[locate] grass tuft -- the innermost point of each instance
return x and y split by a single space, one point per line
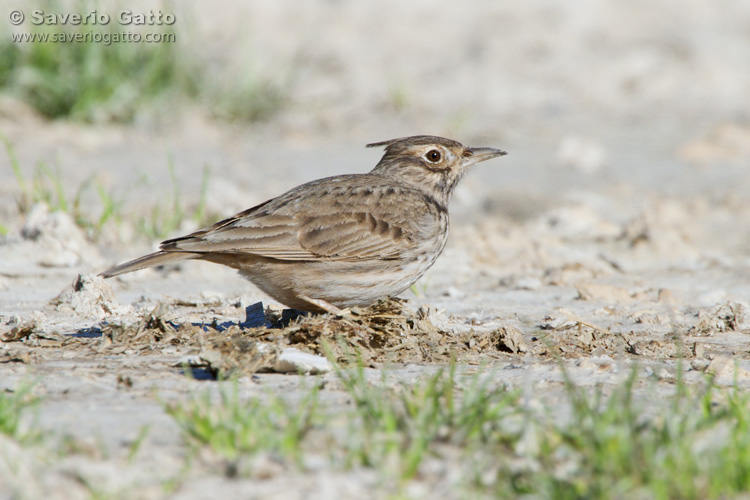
46 186
616 442
250 102
615 445
89 81
100 82
165 218
13 405
233 427
401 426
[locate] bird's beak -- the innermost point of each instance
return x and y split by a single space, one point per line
476 155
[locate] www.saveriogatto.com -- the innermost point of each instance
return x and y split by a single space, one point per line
66 21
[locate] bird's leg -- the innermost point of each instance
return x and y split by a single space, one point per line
326 306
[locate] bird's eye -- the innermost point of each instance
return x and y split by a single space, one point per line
434 155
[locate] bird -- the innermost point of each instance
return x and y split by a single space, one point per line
343 241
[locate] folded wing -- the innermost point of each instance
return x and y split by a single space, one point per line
348 221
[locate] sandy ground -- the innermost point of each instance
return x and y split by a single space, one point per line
619 221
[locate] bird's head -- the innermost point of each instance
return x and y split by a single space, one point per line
432 164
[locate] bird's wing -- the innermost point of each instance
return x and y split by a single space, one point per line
344 220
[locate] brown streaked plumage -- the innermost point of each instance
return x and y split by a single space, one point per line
341 241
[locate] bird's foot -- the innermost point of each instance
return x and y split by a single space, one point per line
328 307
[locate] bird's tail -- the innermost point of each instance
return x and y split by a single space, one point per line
150 260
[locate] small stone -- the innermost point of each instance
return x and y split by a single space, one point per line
666 297
726 371
192 360
293 360
602 292
510 339
89 295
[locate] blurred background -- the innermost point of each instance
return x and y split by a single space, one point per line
593 100
618 222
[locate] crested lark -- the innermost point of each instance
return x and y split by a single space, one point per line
342 241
